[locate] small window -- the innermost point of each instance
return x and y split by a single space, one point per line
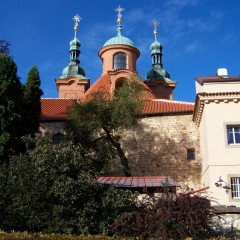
57 138
235 187
233 135
190 154
119 61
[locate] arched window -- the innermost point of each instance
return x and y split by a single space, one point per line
120 61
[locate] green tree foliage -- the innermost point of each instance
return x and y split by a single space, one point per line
103 117
54 189
10 108
4 47
32 105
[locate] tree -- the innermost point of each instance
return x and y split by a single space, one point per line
32 104
4 47
10 108
54 189
104 116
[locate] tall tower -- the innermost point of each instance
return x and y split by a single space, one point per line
158 79
119 56
119 52
73 82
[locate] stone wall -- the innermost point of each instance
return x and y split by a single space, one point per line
227 221
48 129
158 146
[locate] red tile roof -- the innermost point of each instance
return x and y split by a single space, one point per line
103 84
138 182
163 106
55 109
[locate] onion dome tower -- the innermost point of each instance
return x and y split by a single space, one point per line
158 79
119 52
73 82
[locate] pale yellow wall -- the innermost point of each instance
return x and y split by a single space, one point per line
219 195
221 107
216 116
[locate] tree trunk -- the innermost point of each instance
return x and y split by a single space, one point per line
123 158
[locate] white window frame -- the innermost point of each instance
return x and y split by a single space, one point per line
226 134
233 132
235 187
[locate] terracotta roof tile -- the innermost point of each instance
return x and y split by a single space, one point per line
163 106
55 109
103 84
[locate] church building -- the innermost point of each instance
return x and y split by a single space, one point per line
194 145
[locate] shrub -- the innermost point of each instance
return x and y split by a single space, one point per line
171 216
54 189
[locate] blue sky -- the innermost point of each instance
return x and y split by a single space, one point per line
198 36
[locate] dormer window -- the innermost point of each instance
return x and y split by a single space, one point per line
120 61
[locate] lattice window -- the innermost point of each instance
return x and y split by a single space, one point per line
235 187
119 61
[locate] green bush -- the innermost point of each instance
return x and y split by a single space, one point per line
54 189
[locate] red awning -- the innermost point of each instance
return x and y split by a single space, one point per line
138 182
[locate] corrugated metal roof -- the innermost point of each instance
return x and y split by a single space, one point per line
138 182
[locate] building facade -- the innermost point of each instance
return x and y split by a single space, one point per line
196 144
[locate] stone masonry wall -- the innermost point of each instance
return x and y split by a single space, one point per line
158 146
48 129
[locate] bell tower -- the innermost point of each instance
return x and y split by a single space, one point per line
158 79
73 82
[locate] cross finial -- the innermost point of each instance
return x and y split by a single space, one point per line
119 9
76 19
155 23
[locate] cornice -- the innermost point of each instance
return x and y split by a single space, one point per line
212 98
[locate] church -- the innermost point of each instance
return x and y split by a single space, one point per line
196 146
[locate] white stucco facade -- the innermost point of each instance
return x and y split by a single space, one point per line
218 108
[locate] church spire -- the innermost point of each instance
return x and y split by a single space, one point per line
156 49
75 44
74 69
119 9
157 70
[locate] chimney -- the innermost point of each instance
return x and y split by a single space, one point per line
222 72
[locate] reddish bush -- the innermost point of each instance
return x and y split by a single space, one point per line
169 217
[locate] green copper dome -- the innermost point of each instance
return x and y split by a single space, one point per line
119 40
157 73
73 70
75 44
156 47
157 70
